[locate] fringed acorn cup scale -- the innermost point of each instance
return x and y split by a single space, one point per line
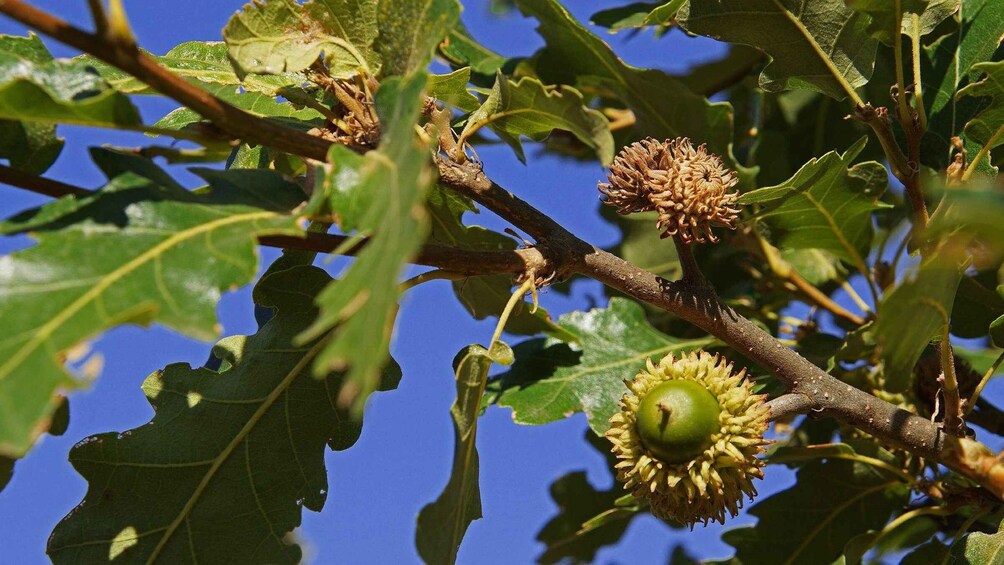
688 437
688 187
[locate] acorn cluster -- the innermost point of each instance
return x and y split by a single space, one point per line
688 437
689 187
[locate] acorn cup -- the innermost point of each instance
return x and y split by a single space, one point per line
688 437
689 187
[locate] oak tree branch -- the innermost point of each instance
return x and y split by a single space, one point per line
566 254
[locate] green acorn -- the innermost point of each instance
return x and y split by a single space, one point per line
688 437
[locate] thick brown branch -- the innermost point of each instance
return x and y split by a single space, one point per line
452 259
40 185
470 180
700 306
234 121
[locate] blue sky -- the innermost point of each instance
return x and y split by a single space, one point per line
403 458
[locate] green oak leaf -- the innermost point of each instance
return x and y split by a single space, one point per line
821 45
531 109
913 314
588 519
968 213
997 331
6 471
235 455
952 58
856 548
203 62
553 379
976 306
28 47
637 15
971 215
442 524
256 103
482 296
461 50
61 91
977 547
815 265
987 127
714 76
663 106
389 186
800 125
827 205
451 88
28 146
812 522
136 251
410 30
280 36
931 552
907 535
928 14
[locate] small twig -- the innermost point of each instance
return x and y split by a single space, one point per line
913 126
878 120
897 50
855 297
906 169
820 298
40 185
983 382
460 262
227 117
788 405
99 16
784 270
434 275
918 85
688 263
516 297
953 421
